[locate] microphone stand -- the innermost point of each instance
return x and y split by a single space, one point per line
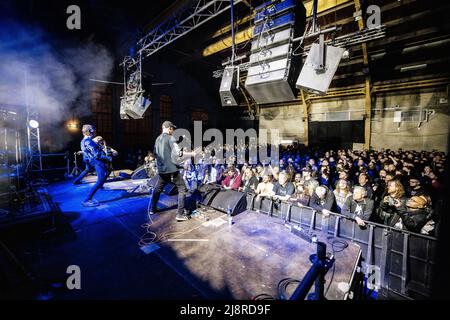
316 274
75 170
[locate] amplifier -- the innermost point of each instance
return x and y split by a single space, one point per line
270 38
269 9
272 24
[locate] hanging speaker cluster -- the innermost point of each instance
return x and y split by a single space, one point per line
136 98
319 67
228 87
273 68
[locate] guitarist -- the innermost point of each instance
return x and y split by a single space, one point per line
96 158
108 151
167 153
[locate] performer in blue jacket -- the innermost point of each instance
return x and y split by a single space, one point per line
94 155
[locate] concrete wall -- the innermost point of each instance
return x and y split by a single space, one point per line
287 119
320 108
432 135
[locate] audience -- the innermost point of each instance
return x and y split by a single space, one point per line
265 188
398 188
284 188
249 181
358 206
322 200
341 193
393 202
232 180
416 214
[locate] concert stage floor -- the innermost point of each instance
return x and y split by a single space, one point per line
195 259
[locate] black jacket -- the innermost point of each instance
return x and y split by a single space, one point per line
327 203
414 220
362 209
390 214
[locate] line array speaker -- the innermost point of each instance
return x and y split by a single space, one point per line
274 69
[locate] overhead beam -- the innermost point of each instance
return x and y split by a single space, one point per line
247 34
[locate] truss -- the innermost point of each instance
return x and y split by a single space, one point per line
180 24
34 144
344 41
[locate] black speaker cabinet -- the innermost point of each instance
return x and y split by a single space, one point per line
169 189
228 87
208 192
236 200
139 173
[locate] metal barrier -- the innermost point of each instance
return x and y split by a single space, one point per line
395 260
55 165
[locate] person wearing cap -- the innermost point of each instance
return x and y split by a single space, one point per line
94 155
167 152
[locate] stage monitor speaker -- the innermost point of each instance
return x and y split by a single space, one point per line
208 192
124 175
236 200
169 189
319 80
140 173
228 87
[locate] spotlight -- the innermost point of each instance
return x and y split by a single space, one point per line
346 54
33 124
72 125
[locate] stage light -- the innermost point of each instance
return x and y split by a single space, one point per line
72 125
33 124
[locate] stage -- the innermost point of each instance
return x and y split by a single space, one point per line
203 258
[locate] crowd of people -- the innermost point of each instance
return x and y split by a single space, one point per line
401 189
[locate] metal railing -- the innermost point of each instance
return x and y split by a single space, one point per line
395 260
50 169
